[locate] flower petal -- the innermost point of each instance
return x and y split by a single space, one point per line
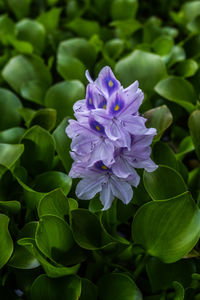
121 189
106 196
107 82
87 188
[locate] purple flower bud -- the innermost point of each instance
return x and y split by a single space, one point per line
109 140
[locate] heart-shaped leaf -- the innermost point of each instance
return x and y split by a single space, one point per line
167 229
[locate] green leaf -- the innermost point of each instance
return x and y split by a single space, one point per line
62 143
137 66
33 32
124 9
164 183
167 229
55 203
63 95
178 90
164 155
6 243
50 19
163 45
63 288
84 28
46 118
114 48
23 259
52 180
9 154
88 290
38 150
159 118
118 286
194 126
19 8
179 291
7 29
161 276
28 76
53 237
73 56
11 206
186 146
88 231
187 68
190 10
9 106
12 135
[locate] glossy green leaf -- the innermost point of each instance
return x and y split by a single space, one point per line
7 29
38 150
63 288
19 8
62 144
187 68
9 154
52 180
164 155
11 135
55 203
53 237
45 118
162 275
23 259
87 230
194 126
178 90
164 183
114 48
11 206
179 291
118 286
186 146
84 28
167 229
163 45
32 32
159 118
9 108
52 269
137 66
88 290
194 25
50 19
191 10
124 9
6 243
63 95
28 76
73 56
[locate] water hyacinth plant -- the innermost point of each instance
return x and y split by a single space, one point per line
99 175
109 140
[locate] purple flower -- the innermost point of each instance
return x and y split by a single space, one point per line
109 140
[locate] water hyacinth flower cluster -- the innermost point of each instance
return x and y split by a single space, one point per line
109 140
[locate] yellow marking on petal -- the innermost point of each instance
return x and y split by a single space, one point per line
98 128
116 107
90 100
110 83
104 167
104 106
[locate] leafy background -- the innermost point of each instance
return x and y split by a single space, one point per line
52 245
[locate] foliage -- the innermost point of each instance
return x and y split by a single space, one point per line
53 245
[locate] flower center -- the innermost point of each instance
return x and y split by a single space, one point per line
110 83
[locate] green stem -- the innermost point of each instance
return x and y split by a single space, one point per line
140 266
